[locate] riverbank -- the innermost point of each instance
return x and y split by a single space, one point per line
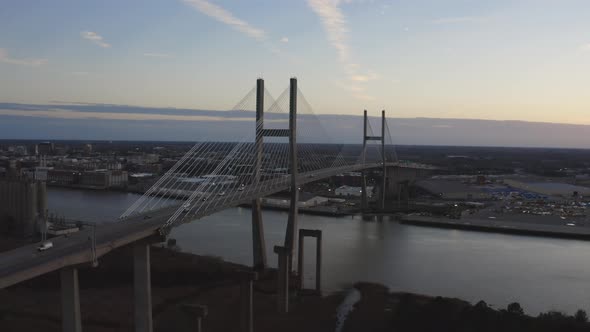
403 257
178 279
106 296
572 231
330 211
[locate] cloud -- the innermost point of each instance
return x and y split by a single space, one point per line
4 57
459 19
284 40
335 26
337 31
363 78
585 47
95 38
158 55
40 111
57 113
224 16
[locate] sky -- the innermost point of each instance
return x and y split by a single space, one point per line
525 60
88 122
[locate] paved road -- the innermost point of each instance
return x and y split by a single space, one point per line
26 262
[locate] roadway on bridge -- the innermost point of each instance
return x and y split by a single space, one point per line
27 262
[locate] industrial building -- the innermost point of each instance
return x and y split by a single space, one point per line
98 179
349 179
148 158
23 206
306 200
452 190
349 191
45 148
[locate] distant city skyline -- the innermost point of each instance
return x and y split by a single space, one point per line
498 60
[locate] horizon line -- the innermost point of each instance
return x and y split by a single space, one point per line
66 103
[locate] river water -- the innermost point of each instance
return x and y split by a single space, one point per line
540 273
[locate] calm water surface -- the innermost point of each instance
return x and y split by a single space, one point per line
540 273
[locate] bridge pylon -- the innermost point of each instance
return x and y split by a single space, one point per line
258 243
291 234
285 252
366 138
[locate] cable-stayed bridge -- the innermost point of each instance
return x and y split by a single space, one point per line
288 147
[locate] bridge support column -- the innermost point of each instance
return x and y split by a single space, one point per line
363 159
383 160
283 279
199 311
291 234
317 234
70 300
247 298
364 200
258 244
142 287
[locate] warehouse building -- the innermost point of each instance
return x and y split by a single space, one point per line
23 204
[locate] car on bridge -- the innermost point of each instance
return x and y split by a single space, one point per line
45 246
186 207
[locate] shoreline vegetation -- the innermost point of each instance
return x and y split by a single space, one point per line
178 278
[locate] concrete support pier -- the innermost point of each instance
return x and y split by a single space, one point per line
383 160
247 300
318 263
317 234
363 160
142 287
364 199
70 300
283 279
291 233
199 312
258 244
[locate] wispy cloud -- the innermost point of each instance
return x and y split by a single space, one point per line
335 25
226 17
458 19
61 113
4 57
284 40
585 47
158 55
363 77
337 31
95 38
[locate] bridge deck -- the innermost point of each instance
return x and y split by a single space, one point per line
26 262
